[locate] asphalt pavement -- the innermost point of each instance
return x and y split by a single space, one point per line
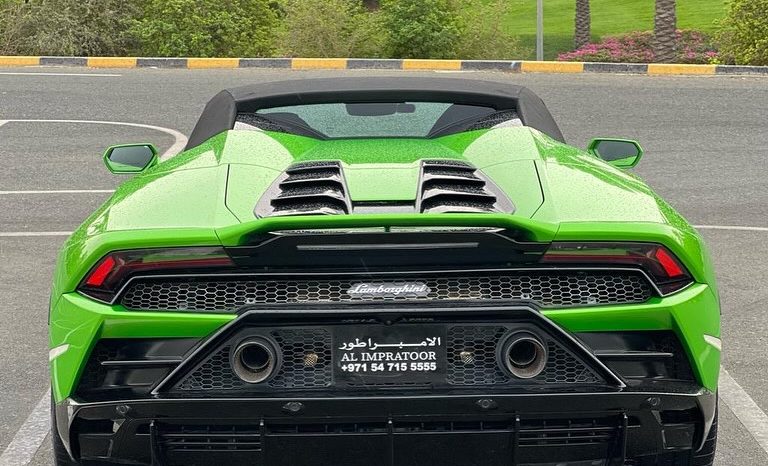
706 150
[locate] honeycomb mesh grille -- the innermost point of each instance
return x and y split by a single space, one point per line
547 289
306 355
94 373
472 360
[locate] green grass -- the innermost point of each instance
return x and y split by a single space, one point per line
608 17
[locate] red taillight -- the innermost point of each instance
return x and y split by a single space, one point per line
101 272
669 263
105 279
667 272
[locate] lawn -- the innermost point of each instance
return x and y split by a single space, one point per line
608 17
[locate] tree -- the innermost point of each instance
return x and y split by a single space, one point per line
665 31
583 32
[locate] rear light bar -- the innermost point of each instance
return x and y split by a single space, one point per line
107 277
110 273
667 272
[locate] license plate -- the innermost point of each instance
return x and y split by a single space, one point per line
390 355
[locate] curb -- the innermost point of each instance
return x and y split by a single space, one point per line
511 66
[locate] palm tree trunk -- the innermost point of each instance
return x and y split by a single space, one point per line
583 32
665 31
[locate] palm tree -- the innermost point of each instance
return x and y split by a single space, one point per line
665 31
583 33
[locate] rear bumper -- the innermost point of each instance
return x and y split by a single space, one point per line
518 429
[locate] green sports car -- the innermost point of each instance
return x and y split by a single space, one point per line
383 271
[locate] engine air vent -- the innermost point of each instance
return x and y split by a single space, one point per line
308 188
453 186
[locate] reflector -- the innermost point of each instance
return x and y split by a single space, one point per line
100 273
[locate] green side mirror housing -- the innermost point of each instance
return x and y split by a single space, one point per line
621 153
130 158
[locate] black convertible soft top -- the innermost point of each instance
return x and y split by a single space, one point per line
220 113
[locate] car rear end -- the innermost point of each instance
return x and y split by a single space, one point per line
446 339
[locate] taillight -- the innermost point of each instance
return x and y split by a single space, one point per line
112 271
657 261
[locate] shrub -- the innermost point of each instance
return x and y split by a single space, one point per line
743 37
207 28
11 32
331 28
482 34
421 28
67 27
637 47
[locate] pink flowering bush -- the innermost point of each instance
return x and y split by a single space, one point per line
637 47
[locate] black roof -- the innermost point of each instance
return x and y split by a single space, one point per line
220 113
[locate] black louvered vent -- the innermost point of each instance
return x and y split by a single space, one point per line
456 186
309 188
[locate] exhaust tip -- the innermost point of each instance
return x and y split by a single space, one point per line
254 360
524 355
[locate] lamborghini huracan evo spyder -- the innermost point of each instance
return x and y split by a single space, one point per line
383 271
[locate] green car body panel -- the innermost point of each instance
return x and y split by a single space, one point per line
205 196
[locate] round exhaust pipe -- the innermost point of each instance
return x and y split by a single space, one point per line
524 355
254 360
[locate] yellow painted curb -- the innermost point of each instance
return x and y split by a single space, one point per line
551 67
112 62
19 61
414 64
319 63
669 68
209 63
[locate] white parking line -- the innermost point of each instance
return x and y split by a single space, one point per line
22 234
82 191
178 145
744 407
59 191
94 75
730 227
30 436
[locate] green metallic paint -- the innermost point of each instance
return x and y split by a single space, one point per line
80 322
205 197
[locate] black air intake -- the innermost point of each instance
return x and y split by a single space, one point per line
458 187
309 188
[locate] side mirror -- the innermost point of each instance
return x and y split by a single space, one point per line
130 158
621 153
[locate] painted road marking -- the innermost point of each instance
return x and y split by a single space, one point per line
30 436
730 227
23 234
59 191
94 75
179 139
744 407
67 233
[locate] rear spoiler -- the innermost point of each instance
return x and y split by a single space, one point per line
245 233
